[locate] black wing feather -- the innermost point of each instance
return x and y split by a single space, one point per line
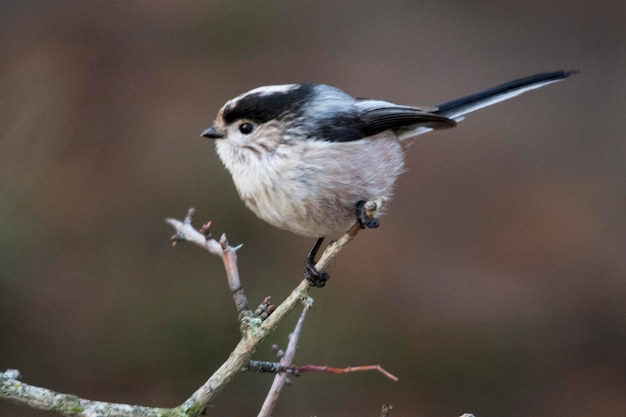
384 118
345 127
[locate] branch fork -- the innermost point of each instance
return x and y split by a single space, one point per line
255 326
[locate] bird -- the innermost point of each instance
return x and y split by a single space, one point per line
306 157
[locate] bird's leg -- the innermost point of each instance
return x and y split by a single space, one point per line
315 277
361 217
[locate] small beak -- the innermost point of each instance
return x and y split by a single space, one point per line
212 133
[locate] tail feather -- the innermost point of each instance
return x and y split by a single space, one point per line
456 109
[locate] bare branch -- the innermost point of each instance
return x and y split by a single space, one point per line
254 331
317 368
229 256
203 238
276 367
285 362
240 357
44 399
186 232
259 330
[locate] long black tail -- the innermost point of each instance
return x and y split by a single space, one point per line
456 109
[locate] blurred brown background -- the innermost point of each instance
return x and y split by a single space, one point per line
496 285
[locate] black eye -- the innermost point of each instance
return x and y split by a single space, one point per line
246 128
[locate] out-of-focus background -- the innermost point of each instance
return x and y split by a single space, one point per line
495 285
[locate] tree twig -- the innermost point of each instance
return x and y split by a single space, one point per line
15 390
317 368
240 357
276 367
285 362
203 238
254 331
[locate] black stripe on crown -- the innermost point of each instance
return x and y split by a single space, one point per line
261 107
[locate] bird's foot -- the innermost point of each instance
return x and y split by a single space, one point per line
363 218
315 277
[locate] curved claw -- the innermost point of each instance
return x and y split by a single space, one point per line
315 277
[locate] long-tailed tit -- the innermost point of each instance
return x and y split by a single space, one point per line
305 157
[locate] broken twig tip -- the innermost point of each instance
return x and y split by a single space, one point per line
386 410
189 217
177 237
223 241
205 229
374 206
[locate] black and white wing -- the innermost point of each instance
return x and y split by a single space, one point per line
378 116
412 121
